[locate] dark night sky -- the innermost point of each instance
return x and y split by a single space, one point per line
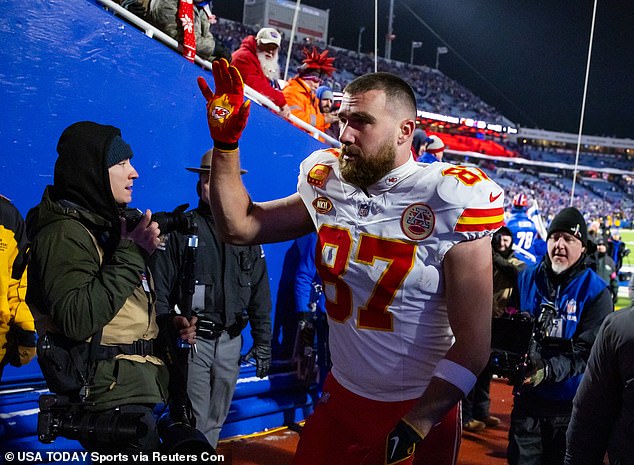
525 57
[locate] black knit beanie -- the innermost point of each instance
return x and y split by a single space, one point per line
118 151
570 220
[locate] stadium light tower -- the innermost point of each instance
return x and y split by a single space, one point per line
390 35
361 29
415 44
440 51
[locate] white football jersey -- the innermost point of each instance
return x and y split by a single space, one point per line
380 258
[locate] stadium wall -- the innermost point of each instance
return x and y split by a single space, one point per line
62 62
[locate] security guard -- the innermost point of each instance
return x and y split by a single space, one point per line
232 288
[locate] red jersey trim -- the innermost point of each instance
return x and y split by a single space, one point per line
480 219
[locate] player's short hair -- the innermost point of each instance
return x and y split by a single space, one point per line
394 87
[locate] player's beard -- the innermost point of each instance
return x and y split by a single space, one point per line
363 170
270 66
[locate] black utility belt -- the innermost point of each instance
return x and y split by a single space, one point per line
209 330
142 347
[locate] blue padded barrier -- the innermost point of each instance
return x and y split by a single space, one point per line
63 62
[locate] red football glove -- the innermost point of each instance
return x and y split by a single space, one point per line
227 111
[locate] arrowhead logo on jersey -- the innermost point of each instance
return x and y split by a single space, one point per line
318 174
322 205
418 221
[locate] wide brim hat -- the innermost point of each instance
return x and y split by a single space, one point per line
205 164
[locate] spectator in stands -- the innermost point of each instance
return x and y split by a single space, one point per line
325 96
529 247
433 150
137 7
326 106
475 407
602 414
164 14
300 90
232 289
581 300
602 264
418 141
257 60
17 329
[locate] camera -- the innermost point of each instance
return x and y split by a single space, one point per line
59 416
181 437
519 339
168 221
511 340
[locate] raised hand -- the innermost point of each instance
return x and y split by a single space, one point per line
227 111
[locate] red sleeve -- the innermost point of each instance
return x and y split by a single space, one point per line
254 77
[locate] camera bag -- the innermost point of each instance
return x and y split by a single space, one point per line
67 365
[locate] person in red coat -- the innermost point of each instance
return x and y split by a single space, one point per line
257 61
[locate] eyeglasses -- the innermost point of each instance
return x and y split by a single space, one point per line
312 79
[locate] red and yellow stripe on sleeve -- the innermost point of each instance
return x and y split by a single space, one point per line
480 219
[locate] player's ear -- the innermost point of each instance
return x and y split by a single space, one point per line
406 130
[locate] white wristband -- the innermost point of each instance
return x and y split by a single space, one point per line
455 374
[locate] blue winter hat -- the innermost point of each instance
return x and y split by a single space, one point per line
324 92
118 151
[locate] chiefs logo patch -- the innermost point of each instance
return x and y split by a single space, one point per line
418 221
219 113
322 205
318 174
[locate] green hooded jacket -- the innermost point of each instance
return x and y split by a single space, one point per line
78 289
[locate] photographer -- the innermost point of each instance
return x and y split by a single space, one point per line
232 287
543 405
603 265
89 281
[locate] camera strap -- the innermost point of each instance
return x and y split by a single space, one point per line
89 365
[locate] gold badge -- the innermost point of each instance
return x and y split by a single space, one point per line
322 205
318 174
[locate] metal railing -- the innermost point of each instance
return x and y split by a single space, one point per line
155 33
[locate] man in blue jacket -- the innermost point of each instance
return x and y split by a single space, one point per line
581 300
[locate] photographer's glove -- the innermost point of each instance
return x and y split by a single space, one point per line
401 443
20 346
262 355
539 373
227 111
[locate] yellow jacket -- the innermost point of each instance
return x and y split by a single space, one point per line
13 308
